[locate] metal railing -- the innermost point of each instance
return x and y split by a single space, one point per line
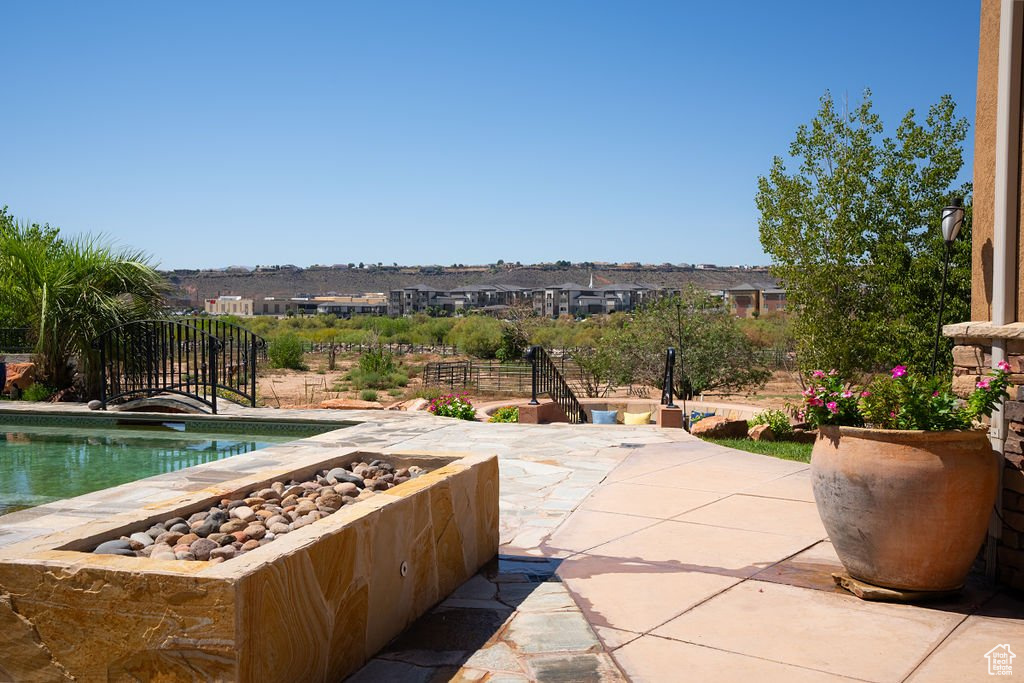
15 340
238 357
546 379
151 357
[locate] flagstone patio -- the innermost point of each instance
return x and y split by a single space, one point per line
633 553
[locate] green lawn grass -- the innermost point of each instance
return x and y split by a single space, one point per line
787 450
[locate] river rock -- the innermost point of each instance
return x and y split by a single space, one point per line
202 548
250 545
169 537
340 475
346 488
279 528
163 553
233 526
269 494
227 552
256 531
116 547
244 513
144 539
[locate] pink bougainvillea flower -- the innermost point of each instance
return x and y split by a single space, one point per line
847 394
899 371
935 394
983 383
816 402
832 407
809 391
817 374
833 373
865 394
1003 365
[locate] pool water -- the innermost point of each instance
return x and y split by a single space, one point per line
40 464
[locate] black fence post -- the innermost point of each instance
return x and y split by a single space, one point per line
531 356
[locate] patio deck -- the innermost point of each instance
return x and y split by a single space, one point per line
632 553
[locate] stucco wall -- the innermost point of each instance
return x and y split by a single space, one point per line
984 171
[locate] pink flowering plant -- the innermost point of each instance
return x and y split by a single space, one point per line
453 405
829 401
905 400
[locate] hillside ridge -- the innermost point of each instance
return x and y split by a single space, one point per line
197 285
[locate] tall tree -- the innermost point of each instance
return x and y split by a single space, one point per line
854 237
712 352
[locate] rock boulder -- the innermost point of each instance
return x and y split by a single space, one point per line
718 427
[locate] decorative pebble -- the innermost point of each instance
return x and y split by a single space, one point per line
234 527
202 548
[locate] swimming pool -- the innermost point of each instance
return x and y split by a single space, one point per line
40 463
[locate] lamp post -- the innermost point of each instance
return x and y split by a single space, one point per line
952 220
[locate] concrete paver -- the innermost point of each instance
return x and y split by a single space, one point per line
839 634
699 547
650 659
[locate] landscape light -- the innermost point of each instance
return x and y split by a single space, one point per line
952 220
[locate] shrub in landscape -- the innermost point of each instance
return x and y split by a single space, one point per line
776 420
36 392
285 351
428 393
453 405
505 414
377 369
368 395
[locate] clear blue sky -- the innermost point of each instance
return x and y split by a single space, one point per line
221 133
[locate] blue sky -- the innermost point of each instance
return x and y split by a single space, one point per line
211 134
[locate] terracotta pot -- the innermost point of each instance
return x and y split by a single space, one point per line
905 509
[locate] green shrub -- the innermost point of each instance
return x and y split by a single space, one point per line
285 351
377 360
477 336
505 414
776 420
453 405
36 392
368 395
371 379
395 393
428 393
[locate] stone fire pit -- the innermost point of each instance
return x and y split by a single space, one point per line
312 605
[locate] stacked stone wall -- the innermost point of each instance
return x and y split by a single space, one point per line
972 360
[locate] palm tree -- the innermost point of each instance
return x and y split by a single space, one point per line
68 292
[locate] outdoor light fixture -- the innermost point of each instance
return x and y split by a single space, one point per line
952 220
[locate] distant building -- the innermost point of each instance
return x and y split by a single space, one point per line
348 306
424 299
228 305
751 300
573 299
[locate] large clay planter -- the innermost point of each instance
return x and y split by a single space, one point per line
905 509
